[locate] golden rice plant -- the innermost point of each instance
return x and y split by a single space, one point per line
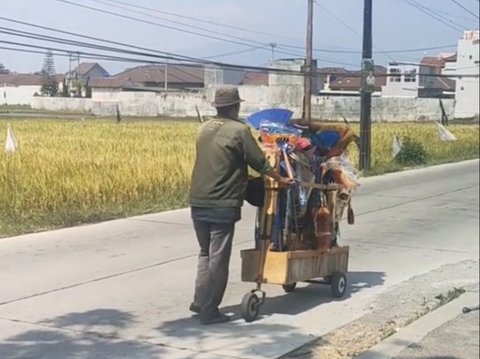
70 172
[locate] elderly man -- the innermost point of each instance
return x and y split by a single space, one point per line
225 148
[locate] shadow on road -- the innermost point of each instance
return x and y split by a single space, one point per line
91 334
313 295
235 339
259 333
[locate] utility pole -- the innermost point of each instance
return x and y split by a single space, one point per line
70 75
368 82
307 101
273 46
165 73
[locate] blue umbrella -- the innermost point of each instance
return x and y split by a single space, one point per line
275 115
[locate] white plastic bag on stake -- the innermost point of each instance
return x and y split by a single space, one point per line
396 146
10 142
444 134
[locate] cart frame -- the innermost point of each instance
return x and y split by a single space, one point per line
287 268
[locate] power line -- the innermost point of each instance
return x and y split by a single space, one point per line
90 55
383 51
232 67
439 14
163 54
200 20
227 54
54 39
351 29
149 22
64 32
94 56
257 43
265 47
464 8
211 23
456 16
428 12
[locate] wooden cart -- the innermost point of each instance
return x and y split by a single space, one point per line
289 268
265 264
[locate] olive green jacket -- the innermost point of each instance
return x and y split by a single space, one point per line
224 150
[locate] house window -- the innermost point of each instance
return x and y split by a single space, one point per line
411 75
395 71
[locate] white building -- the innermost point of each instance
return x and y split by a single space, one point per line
467 92
412 80
450 67
404 83
18 89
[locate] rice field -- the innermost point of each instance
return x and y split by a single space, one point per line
65 173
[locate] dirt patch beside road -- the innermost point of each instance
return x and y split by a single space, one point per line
393 310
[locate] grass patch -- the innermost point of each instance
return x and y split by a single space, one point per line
80 171
449 296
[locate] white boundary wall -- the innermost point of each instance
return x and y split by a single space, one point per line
150 104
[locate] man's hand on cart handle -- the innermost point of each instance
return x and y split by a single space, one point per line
283 181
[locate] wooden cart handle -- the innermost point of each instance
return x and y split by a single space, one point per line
326 187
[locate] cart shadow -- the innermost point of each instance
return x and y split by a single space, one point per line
267 336
313 295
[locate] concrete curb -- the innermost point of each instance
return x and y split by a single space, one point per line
415 332
412 171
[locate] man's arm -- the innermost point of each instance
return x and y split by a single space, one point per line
256 159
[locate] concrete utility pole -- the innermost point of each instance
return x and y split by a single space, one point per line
368 82
273 46
307 102
165 74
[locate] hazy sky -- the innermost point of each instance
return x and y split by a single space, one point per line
397 25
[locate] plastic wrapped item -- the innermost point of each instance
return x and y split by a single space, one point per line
271 131
342 170
304 175
343 199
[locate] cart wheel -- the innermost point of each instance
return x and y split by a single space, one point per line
289 287
250 307
338 282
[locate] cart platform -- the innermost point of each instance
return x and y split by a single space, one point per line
294 266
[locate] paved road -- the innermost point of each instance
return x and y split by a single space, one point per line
456 339
121 289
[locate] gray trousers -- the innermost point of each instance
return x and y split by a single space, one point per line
215 241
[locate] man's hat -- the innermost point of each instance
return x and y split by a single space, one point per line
226 96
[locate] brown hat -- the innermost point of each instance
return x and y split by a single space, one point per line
226 96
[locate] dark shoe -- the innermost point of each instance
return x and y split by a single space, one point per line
196 308
214 318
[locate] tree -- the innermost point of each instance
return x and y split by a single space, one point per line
3 70
49 83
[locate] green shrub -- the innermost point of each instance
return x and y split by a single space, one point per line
412 153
